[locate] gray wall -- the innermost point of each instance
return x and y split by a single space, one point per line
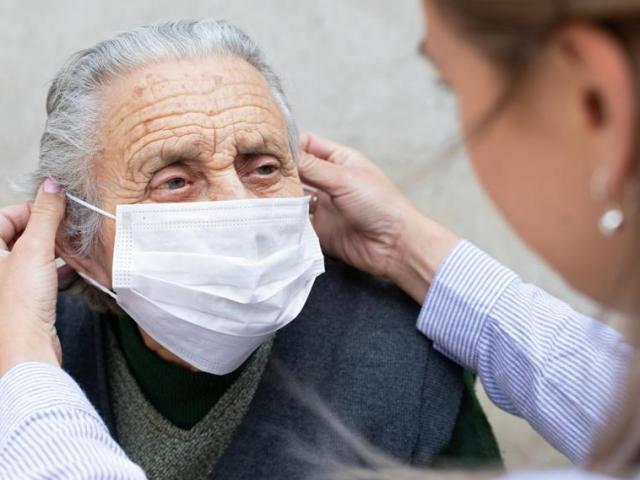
352 73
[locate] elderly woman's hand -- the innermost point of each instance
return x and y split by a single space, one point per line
28 279
362 218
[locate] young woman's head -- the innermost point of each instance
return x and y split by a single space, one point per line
548 97
548 94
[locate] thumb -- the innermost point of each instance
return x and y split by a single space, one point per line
47 212
321 174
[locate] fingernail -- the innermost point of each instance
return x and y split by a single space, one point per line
51 186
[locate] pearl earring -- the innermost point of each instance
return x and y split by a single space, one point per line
611 221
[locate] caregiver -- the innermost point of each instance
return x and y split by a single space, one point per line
548 96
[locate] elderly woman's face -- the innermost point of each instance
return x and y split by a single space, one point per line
190 131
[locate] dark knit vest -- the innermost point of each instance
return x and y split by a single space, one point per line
353 351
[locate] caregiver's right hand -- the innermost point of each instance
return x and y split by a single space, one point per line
28 279
362 218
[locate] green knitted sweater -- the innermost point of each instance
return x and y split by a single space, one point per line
176 423
180 426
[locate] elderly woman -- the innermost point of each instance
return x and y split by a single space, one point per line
177 152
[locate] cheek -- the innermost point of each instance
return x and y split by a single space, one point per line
542 190
294 189
107 242
293 185
529 180
494 149
517 164
290 186
508 171
537 183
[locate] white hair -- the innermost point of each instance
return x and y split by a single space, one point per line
69 142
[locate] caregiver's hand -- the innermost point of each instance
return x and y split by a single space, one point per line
362 218
28 279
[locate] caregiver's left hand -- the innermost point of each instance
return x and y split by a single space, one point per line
363 219
29 279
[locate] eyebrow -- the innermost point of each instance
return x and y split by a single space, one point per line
158 160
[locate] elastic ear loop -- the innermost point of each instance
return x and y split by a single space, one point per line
108 215
91 207
97 285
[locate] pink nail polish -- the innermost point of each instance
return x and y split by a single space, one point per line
51 186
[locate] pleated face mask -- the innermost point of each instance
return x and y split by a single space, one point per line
212 281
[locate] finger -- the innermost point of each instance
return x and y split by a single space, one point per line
323 148
47 212
320 174
13 220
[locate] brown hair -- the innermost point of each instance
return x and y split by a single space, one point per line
511 34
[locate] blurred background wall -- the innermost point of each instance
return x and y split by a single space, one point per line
352 73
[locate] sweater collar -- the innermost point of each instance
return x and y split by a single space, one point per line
182 396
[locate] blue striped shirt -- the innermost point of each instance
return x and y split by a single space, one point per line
49 430
536 357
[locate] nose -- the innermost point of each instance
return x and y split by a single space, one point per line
227 185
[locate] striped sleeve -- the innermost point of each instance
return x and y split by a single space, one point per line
556 475
48 429
535 356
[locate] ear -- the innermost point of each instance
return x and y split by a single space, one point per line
84 264
608 102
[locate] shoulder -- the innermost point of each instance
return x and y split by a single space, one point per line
346 290
358 321
74 320
78 328
356 338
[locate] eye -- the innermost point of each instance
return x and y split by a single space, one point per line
175 184
266 169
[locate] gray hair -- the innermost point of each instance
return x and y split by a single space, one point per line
68 145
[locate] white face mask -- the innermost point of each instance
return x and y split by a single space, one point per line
212 281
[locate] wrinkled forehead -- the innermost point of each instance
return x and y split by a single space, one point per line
208 104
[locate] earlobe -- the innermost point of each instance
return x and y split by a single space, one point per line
63 251
81 264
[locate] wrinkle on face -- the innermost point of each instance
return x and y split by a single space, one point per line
209 117
205 111
210 123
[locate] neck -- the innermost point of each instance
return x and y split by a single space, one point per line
182 396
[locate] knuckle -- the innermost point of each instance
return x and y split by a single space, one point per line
5 224
307 161
26 244
43 209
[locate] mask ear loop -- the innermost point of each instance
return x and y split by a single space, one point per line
108 215
97 285
91 207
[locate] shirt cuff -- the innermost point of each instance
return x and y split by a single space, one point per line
33 388
464 291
